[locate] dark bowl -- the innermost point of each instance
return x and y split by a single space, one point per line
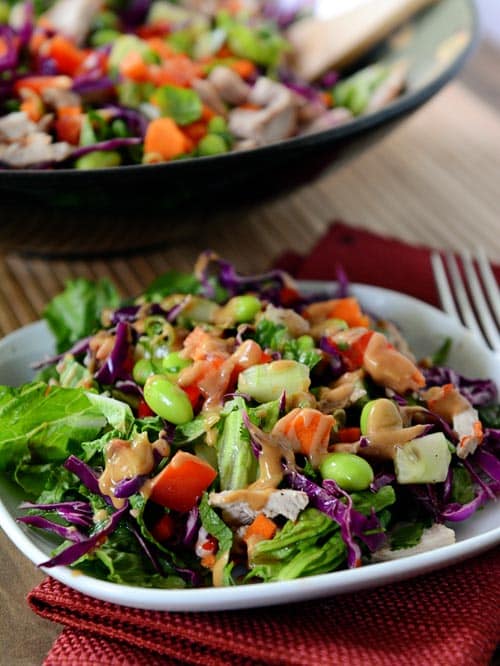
436 43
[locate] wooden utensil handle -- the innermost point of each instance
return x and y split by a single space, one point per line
334 43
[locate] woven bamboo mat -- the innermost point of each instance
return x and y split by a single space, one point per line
433 181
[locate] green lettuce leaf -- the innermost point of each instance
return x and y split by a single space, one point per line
75 313
41 424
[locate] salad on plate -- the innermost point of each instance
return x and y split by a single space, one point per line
89 84
224 430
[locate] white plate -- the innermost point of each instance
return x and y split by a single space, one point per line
425 328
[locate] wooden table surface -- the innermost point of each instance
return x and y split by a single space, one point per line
434 181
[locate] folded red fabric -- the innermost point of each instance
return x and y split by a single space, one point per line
448 617
368 258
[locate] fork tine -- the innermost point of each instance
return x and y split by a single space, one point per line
462 298
488 324
445 296
489 281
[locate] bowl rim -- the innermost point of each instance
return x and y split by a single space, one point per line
399 107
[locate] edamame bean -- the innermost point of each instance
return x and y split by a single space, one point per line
217 125
212 144
104 36
142 370
167 400
380 414
349 471
99 159
173 363
244 308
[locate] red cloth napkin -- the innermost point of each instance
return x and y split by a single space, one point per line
449 617
368 258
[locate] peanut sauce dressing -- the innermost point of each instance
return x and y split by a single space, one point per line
124 460
389 367
446 401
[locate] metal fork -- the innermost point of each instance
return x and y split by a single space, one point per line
477 303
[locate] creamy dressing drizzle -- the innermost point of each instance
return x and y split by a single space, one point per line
123 460
389 367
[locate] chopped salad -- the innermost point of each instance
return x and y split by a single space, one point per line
223 429
89 84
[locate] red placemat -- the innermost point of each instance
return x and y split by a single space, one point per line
449 617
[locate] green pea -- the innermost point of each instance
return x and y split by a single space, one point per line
212 144
173 363
305 343
349 471
104 36
142 370
244 308
217 125
99 159
167 400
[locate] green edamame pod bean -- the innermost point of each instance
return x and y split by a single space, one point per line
212 144
142 370
349 471
167 400
104 36
244 308
99 159
173 363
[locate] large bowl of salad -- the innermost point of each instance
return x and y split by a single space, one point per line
227 441
182 99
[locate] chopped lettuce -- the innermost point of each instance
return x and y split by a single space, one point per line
76 312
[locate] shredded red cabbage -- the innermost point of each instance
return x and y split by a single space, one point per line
80 347
9 58
127 487
75 512
110 144
74 552
86 475
478 392
71 533
112 369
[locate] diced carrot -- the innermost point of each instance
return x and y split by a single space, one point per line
245 68
3 47
349 435
182 482
65 54
38 38
307 429
164 138
177 70
134 68
164 529
207 113
32 107
69 125
262 526
327 99
39 83
160 47
208 561
349 311
199 345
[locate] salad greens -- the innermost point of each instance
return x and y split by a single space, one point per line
91 84
223 429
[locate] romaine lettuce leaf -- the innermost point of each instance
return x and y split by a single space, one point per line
75 313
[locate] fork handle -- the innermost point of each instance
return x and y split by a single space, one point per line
320 45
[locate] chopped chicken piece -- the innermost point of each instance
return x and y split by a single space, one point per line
295 324
389 89
56 98
209 95
15 126
230 86
73 18
328 120
286 503
33 150
433 537
277 119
